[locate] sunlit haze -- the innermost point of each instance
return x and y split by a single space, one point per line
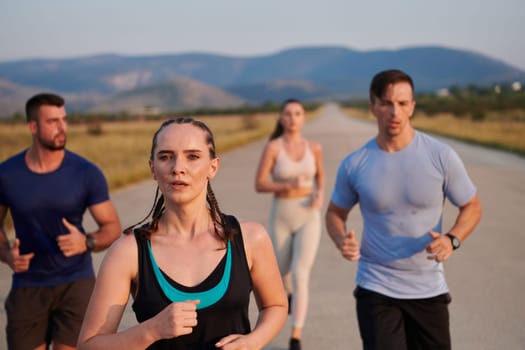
63 29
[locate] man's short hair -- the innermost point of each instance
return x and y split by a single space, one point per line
383 79
42 99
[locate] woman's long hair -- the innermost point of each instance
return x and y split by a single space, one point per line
279 130
221 227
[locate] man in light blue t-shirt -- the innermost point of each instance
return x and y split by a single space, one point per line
401 179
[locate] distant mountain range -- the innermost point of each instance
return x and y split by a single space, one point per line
113 83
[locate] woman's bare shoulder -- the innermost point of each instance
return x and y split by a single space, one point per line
273 145
257 242
252 231
315 145
124 247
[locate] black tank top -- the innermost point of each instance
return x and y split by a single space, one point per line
227 315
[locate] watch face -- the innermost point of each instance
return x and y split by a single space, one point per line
455 242
90 242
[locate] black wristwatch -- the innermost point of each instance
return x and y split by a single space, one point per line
90 242
455 241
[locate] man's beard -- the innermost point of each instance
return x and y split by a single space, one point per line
53 145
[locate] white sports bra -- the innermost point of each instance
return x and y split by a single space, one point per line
286 168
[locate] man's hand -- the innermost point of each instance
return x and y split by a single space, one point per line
349 247
440 249
17 262
72 243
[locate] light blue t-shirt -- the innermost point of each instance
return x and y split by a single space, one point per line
401 197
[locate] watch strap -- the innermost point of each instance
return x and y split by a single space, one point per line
455 241
90 242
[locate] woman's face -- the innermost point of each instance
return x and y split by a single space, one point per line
182 164
292 117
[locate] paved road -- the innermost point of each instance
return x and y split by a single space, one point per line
486 276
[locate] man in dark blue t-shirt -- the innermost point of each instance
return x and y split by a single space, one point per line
47 190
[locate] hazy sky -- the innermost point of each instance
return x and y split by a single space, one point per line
66 28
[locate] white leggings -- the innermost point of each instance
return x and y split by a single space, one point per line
295 229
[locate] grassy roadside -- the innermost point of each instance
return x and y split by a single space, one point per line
121 149
498 132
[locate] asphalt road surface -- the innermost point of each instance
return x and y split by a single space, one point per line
486 275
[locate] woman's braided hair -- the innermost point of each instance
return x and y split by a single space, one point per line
221 227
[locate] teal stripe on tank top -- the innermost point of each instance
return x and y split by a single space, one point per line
207 298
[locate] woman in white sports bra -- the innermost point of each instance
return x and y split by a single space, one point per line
291 167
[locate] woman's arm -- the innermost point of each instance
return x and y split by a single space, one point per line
266 163
317 149
109 299
268 289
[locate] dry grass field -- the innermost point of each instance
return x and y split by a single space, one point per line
121 149
497 131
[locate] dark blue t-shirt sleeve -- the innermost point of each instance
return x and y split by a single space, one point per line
96 186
